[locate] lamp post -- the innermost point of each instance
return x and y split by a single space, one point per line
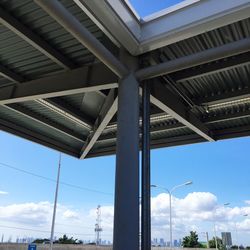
55 204
215 237
244 215
170 204
235 225
215 234
236 229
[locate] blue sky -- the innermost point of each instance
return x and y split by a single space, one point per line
144 8
212 167
219 171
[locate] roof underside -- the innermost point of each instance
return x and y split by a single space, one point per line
79 123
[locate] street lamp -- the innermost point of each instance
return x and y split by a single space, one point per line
170 203
235 225
215 234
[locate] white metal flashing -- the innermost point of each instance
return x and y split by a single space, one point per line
193 20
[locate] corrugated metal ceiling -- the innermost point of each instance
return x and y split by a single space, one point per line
25 60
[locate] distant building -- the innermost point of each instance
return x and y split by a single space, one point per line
175 243
162 242
226 238
180 242
155 242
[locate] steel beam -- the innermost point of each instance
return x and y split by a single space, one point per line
63 108
220 134
115 19
46 122
153 130
156 143
196 59
226 116
9 74
209 119
85 79
30 135
107 112
224 97
232 132
169 103
61 112
164 28
33 39
192 138
76 29
206 120
146 187
126 217
211 68
184 20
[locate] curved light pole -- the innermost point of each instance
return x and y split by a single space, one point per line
170 204
215 234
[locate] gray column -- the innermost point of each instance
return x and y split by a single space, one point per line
145 189
126 217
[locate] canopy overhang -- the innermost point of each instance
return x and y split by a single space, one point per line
194 75
72 74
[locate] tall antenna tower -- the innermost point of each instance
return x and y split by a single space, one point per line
98 228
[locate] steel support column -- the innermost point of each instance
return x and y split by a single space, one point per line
145 209
126 216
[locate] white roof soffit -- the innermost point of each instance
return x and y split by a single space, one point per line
190 18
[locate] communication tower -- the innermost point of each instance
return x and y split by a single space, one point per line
98 228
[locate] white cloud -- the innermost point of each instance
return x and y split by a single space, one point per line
244 225
27 213
196 211
3 192
36 218
247 202
198 201
195 206
69 214
35 214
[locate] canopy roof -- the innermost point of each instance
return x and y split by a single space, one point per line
54 91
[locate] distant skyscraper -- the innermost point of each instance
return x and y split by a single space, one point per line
162 242
154 241
175 243
226 238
